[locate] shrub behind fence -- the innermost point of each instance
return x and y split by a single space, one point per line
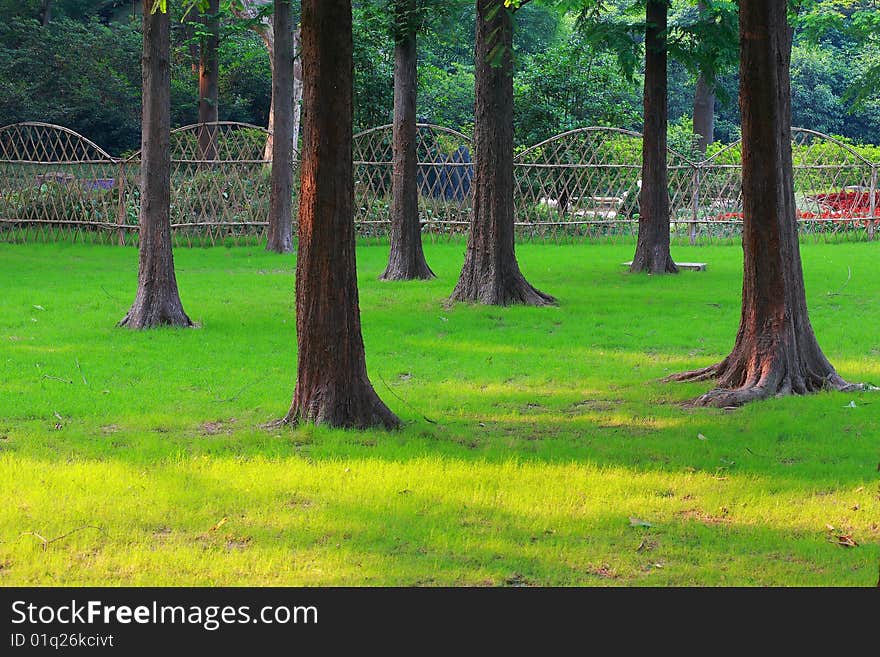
580 185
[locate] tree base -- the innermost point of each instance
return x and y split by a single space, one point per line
420 272
363 410
512 291
662 264
279 246
754 387
147 316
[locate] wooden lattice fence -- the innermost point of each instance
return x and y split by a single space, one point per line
583 184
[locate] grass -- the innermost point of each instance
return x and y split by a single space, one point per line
555 455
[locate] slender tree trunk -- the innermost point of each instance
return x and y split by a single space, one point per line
249 9
491 274
652 249
208 77
157 301
704 108
406 260
297 89
704 115
280 236
332 386
45 12
776 352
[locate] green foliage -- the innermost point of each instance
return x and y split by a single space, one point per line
570 86
97 95
65 201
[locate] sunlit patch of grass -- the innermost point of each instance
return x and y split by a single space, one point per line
540 446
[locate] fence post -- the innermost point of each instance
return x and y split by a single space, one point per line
120 205
695 181
873 202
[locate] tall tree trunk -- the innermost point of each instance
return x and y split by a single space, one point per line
250 9
208 77
45 12
406 260
280 235
491 274
704 115
704 107
652 248
332 385
157 301
776 352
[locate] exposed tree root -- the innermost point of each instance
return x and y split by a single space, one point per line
513 290
702 374
740 385
360 409
146 316
399 270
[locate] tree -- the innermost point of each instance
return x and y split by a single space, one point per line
699 40
406 260
280 234
209 71
652 249
776 351
157 301
257 13
332 386
491 274
707 46
704 107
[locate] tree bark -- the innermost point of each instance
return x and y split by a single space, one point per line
332 386
491 274
280 234
776 352
250 9
157 301
704 115
45 12
652 248
406 260
704 108
208 79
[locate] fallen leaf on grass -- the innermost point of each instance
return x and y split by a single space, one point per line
701 436
636 522
222 522
846 540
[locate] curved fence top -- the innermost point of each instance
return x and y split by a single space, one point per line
46 143
593 146
375 146
218 141
809 148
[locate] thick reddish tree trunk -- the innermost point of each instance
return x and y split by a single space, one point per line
280 234
208 78
406 260
157 301
652 248
776 352
491 274
332 385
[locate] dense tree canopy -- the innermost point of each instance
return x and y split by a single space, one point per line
561 80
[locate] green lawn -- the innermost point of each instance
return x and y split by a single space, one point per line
554 455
